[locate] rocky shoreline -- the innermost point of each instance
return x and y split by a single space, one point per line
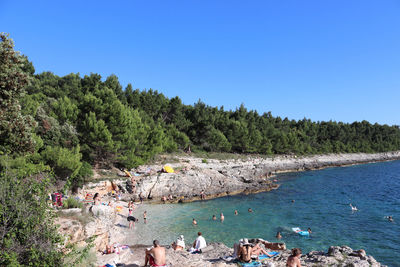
216 178
219 255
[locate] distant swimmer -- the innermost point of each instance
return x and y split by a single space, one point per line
278 235
194 222
390 219
292 200
250 210
214 218
236 212
309 230
353 208
222 217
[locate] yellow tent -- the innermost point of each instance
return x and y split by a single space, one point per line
168 169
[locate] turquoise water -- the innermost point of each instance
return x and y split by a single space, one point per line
321 202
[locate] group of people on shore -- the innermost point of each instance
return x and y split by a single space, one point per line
155 255
244 251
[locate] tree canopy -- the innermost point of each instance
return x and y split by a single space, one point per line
94 120
59 127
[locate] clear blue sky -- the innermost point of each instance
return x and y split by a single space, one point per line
324 60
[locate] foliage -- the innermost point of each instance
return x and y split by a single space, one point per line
15 128
71 203
109 125
65 162
27 233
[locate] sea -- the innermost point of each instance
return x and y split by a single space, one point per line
318 199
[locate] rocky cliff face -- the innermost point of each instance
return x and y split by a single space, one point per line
78 226
214 181
223 177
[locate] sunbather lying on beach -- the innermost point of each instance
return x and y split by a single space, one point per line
258 250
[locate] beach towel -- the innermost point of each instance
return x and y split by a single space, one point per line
266 257
249 264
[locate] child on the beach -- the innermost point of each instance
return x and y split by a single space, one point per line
145 216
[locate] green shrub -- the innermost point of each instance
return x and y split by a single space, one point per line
204 161
30 236
71 203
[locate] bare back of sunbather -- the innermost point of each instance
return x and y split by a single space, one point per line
293 262
245 253
158 255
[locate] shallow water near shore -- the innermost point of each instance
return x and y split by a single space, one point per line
322 201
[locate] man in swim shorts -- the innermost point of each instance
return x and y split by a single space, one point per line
155 256
131 221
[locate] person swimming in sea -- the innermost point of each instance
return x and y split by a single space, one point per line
222 217
194 222
236 212
250 210
278 235
309 230
390 219
214 218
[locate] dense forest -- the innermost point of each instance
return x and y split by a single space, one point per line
53 130
71 123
